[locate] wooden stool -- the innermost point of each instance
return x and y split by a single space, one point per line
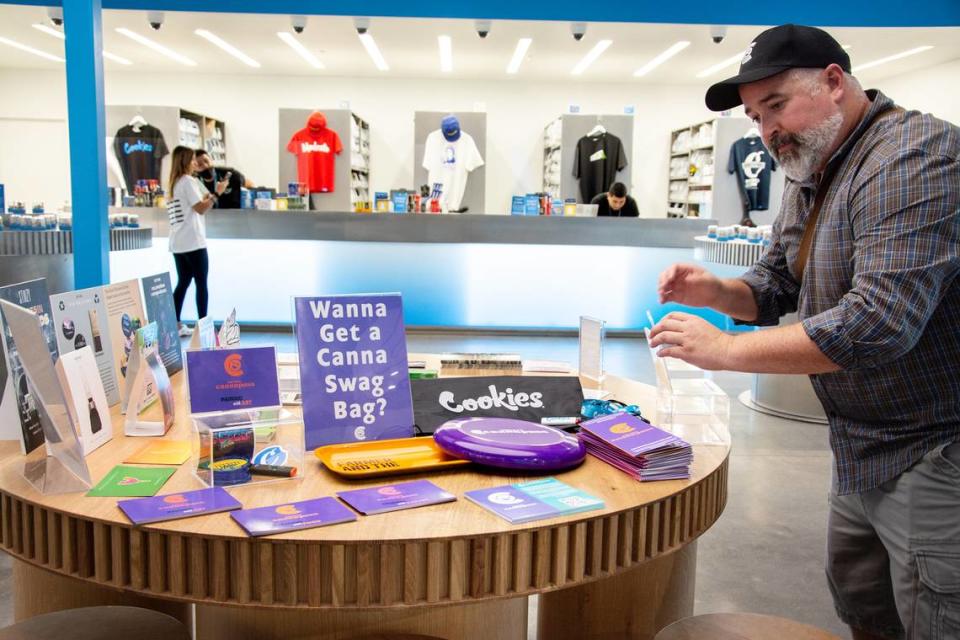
740 626
98 623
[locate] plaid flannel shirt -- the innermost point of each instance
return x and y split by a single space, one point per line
879 295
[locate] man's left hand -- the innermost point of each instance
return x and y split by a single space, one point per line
692 339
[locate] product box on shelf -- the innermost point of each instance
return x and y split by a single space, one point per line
247 447
517 206
2 202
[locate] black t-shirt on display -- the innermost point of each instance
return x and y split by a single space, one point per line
140 153
230 199
596 163
752 163
628 210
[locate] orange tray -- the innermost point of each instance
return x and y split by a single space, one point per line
385 457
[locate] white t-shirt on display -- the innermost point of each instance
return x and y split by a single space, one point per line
188 230
449 163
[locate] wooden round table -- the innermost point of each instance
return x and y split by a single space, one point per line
452 570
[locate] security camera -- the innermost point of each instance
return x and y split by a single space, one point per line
155 18
362 24
56 15
718 33
578 29
483 28
299 23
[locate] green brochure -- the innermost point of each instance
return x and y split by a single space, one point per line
132 482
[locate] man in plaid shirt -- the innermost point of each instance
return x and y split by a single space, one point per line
874 283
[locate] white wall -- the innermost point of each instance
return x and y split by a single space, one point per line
516 115
34 163
933 90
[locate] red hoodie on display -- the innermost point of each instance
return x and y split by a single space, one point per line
315 146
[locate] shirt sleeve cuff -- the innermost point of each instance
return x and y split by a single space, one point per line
768 313
828 332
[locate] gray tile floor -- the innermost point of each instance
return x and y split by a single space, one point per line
764 555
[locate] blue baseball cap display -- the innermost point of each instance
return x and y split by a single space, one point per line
450 127
789 46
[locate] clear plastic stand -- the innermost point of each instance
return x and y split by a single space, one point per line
592 334
150 377
695 409
60 466
229 334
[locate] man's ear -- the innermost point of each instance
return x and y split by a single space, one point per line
836 81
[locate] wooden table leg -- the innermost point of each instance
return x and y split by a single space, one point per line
634 604
37 591
491 620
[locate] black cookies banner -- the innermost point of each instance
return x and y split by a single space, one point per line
522 397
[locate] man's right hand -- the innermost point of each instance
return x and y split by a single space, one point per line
689 285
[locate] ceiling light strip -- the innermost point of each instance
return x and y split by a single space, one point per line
156 46
301 50
720 65
896 56
446 53
523 44
661 58
50 31
591 56
216 40
374 51
36 52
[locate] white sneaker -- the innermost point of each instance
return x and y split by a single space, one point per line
184 331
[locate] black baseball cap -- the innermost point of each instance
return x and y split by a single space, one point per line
789 46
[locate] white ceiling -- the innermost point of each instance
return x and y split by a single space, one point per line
410 47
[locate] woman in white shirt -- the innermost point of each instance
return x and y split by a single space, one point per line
189 202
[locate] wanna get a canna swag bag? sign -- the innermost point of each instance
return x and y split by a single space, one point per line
353 368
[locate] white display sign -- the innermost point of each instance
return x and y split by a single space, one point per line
86 400
591 348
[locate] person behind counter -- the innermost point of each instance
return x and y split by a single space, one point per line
188 233
209 175
616 202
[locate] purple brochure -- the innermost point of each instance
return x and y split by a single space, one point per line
353 369
280 518
630 434
511 504
393 497
174 506
230 379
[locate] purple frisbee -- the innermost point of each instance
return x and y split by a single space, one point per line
510 444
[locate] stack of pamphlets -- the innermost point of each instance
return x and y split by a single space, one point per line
499 361
637 448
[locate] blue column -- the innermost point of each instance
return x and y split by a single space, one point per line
88 161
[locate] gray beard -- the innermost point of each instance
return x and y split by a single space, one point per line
810 148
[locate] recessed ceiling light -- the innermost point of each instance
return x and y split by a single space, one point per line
156 46
50 31
720 65
226 46
519 54
446 53
297 46
660 59
36 52
846 46
373 51
896 56
591 56
116 58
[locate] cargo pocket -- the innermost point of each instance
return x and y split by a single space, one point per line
937 608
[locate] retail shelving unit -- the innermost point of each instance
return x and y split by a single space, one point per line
560 138
698 182
551 157
360 199
179 126
352 166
